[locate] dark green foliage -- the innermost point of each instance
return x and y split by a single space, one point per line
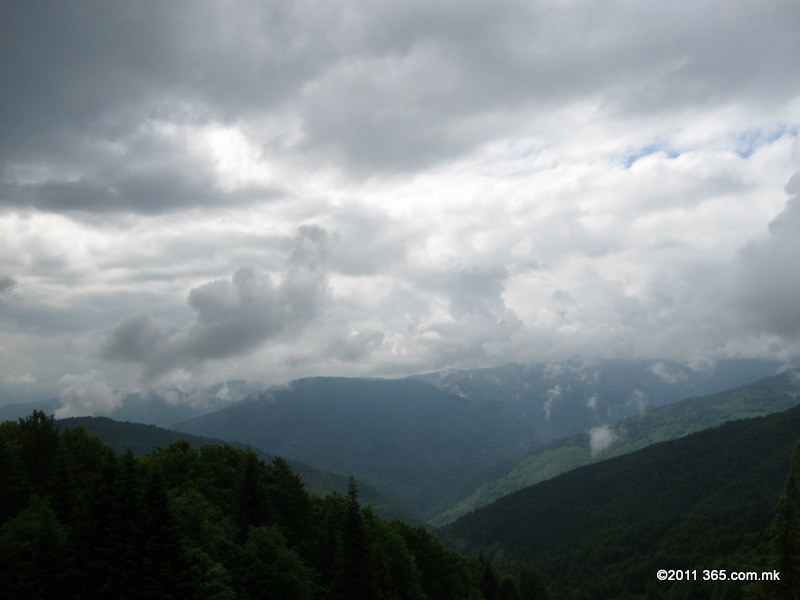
703 502
268 568
786 534
531 586
218 523
37 562
734 465
38 441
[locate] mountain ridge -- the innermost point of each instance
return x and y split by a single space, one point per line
733 465
142 438
406 437
765 396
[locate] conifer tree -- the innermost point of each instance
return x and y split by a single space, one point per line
253 503
530 584
36 559
354 579
289 502
38 438
487 578
786 535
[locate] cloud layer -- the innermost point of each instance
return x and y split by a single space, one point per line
268 190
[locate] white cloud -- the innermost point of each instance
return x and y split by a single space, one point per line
601 438
86 395
553 395
529 180
638 400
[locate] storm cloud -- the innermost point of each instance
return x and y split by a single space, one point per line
269 190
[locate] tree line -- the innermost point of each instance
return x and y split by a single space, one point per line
78 520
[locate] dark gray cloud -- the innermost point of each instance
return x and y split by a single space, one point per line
435 80
768 271
232 316
378 87
151 174
7 285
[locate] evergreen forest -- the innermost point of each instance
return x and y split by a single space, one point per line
79 520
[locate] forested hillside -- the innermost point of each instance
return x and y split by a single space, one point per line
414 442
81 521
766 396
142 439
704 501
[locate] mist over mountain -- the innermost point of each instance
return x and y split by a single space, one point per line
412 440
767 396
736 465
567 398
161 407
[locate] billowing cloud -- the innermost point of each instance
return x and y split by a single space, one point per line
86 395
770 279
473 184
232 316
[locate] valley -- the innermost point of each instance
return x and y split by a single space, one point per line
692 480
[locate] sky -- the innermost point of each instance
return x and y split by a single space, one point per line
194 191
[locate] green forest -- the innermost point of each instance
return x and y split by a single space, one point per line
80 520
725 498
83 518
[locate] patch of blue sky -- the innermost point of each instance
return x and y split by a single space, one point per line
747 142
629 157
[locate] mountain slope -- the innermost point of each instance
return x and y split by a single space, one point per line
410 439
567 398
142 439
738 464
767 396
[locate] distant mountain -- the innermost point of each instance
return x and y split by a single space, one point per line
568 398
412 440
767 396
697 502
142 439
12 412
167 406
161 408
